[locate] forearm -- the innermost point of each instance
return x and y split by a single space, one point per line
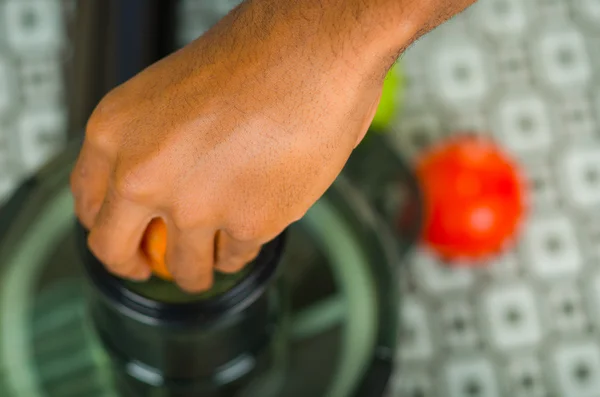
365 34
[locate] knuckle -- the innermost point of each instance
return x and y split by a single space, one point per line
132 184
98 134
102 124
247 230
189 212
258 227
182 217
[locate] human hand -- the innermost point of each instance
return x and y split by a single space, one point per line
230 139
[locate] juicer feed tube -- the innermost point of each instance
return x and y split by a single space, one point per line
207 347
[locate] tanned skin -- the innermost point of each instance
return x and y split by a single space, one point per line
232 138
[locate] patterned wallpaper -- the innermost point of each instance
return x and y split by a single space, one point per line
526 73
33 47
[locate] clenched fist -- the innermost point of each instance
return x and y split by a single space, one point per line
235 136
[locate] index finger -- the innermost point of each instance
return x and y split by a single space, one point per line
116 236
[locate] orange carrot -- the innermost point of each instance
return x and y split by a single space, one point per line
154 245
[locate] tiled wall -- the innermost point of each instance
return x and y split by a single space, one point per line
526 73
33 47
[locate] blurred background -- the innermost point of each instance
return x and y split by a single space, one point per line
523 72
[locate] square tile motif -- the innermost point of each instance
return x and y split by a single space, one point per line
578 368
551 247
34 25
563 58
525 377
512 313
501 18
473 376
523 123
42 135
580 173
460 73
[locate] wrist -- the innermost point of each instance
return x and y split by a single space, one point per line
357 37
373 33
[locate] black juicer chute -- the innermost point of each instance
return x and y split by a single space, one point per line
190 345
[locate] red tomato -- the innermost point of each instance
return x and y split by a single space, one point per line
474 199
